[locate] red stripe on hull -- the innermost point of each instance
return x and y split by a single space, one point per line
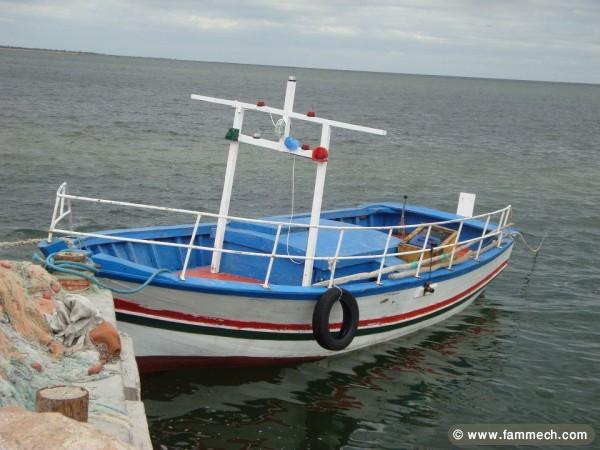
131 307
151 364
434 307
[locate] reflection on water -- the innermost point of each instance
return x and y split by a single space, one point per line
528 276
387 396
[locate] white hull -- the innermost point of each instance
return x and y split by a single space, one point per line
175 326
158 342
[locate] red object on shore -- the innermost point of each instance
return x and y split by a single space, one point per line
320 154
260 102
305 147
96 368
311 114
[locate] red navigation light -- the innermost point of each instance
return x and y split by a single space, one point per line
260 102
305 147
311 114
320 154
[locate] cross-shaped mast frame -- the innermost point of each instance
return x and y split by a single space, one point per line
287 114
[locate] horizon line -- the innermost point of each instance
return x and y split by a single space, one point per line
84 52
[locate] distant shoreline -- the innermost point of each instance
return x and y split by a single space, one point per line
45 50
51 51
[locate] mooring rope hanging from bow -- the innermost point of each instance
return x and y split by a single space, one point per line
535 250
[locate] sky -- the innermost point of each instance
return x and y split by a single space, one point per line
545 40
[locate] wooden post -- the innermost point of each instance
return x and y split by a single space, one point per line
70 401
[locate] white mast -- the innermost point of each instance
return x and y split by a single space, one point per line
238 119
287 114
315 214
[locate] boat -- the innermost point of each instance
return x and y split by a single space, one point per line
231 291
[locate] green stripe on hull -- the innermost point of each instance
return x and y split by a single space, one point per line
273 335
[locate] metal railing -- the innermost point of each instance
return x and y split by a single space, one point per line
62 210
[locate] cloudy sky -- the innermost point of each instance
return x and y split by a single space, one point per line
524 39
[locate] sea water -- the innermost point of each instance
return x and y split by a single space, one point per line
528 351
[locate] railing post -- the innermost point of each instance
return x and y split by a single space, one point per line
385 251
272 259
69 208
335 258
508 215
487 222
62 204
456 242
55 212
501 225
423 251
189 250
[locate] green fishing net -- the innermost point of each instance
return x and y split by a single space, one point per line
31 356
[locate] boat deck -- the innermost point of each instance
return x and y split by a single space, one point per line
358 241
249 246
204 272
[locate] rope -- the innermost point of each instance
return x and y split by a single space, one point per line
80 269
536 250
19 243
287 240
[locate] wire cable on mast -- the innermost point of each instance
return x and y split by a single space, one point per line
287 240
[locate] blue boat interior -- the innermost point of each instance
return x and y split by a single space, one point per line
115 256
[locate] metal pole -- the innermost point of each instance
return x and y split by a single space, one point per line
315 215
238 119
402 223
59 191
272 259
288 105
423 252
69 208
456 241
501 225
385 251
487 222
335 258
189 250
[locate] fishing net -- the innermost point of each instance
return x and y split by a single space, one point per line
32 354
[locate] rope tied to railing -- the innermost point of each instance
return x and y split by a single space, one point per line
88 272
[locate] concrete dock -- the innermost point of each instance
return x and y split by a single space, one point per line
115 401
31 363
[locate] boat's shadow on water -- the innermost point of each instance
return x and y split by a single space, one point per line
387 396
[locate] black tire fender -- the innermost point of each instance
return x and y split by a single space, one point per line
337 340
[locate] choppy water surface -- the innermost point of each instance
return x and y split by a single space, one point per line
529 351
